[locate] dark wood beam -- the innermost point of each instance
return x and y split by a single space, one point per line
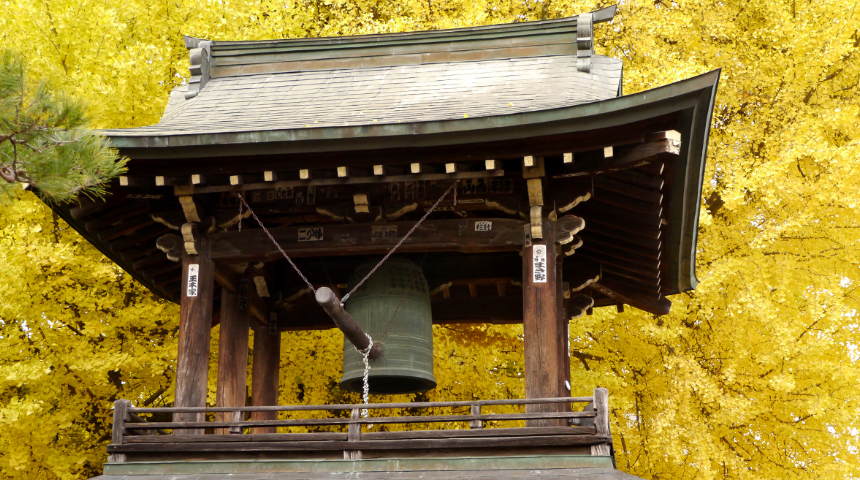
463 310
638 155
358 239
618 294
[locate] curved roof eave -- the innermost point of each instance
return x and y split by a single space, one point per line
607 113
693 98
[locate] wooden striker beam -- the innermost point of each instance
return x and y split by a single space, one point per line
195 318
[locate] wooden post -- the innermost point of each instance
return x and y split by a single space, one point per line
232 355
265 374
476 410
237 417
195 320
540 324
601 420
353 435
120 415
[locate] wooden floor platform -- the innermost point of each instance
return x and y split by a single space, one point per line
573 467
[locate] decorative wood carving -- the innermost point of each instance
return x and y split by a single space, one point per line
171 245
578 305
190 237
565 228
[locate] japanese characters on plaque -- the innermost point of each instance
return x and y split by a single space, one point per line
383 232
297 195
193 279
479 186
310 234
539 268
483 226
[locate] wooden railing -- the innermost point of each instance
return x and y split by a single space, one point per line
589 427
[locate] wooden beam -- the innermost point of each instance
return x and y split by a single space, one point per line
358 239
232 356
540 326
307 180
265 374
614 291
656 151
195 318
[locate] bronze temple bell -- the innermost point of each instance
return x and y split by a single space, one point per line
393 307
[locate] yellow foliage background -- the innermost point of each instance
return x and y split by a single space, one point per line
753 375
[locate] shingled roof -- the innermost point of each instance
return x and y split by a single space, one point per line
486 71
302 110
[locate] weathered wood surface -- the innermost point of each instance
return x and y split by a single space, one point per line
265 376
430 443
195 319
601 421
260 423
353 435
324 436
358 239
232 355
638 155
371 406
540 325
659 306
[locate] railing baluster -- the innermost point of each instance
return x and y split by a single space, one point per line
476 410
237 417
601 420
353 435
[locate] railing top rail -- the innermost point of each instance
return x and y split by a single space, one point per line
363 421
372 406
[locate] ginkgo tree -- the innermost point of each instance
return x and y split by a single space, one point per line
752 375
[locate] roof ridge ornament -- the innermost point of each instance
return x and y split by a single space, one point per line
200 57
584 42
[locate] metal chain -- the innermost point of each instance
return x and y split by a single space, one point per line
366 356
240 213
277 244
343 300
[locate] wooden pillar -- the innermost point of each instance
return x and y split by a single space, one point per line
543 359
195 321
232 354
265 374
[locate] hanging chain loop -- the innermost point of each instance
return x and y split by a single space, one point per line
366 356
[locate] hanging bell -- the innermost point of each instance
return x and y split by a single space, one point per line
393 307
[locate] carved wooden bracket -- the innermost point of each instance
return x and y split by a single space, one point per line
171 245
578 305
190 235
565 228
